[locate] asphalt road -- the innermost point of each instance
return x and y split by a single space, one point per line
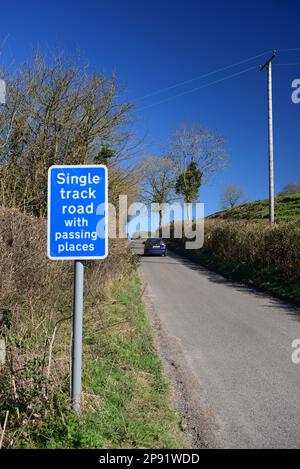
237 343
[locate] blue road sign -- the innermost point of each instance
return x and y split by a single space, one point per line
77 212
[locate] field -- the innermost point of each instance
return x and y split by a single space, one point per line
287 208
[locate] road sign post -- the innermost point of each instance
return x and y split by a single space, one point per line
77 230
77 335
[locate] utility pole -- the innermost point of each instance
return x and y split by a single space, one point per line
2 92
2 340
268 65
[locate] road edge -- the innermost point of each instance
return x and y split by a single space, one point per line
197 421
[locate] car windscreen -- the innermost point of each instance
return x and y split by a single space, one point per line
155 241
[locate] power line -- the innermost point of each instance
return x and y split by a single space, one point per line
199 88
289 50
292 63
168 88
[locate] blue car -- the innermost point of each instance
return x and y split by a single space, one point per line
155 246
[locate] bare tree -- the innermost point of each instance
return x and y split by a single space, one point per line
198 148
157 183
56 113
231 196
291 188
196 144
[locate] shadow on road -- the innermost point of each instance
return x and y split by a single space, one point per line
172 258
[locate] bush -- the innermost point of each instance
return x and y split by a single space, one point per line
257 253
261 247
35 321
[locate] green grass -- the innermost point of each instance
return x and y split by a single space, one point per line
287 208
126 399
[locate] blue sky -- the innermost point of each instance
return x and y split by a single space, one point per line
151 45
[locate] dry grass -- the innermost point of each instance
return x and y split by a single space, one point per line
275 248
35 321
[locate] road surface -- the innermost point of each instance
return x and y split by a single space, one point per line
237 344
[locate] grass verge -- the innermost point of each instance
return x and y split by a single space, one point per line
126 399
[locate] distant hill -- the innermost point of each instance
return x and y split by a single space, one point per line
287 208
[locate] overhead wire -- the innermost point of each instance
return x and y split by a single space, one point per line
199 88
289 50
219 70
292 63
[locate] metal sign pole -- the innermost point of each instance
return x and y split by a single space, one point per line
77 335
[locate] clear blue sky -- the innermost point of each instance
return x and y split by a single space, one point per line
155 44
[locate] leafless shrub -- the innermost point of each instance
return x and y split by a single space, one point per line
56 113
35 320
